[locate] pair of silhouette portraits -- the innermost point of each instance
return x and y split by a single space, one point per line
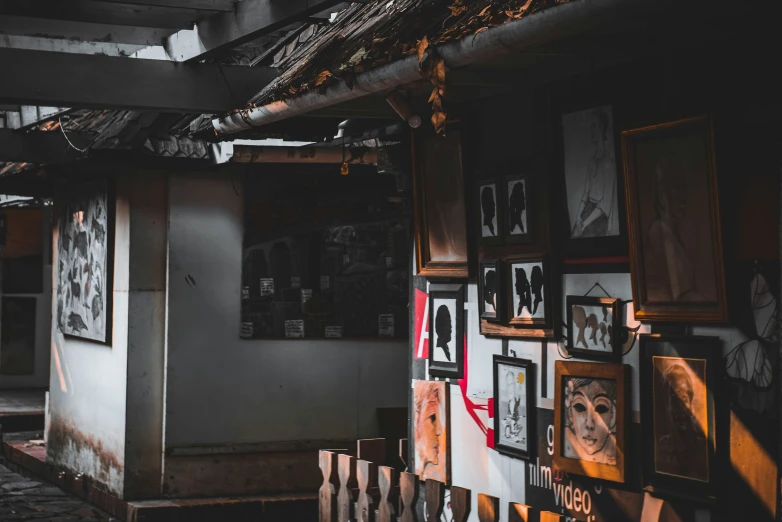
516 205
527 288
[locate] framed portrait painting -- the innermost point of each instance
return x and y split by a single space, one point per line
593 327
528 291
514 409
674 222
590 411
517 195
440 209
446 330
680 395
489 289
593 198
431 430
490 207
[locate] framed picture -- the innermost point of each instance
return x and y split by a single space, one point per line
440 210
431 430
84 263
674 222
593 327
490 213
590 411
528 291
514 406
446 330
489 289
517 195
594 216
680 394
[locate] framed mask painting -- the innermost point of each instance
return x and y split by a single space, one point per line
514 406
590 411
593 327
489 289
490 206
528 291
431 430
517 195
440 210
674 222
446 330
680 392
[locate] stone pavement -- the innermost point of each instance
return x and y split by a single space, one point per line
25 499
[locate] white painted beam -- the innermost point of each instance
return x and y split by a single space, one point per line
67 46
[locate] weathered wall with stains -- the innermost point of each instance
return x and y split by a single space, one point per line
221 389
88 379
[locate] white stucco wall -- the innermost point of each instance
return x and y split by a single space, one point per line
221 389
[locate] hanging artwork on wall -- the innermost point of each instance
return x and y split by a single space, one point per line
674 222
446 330
84 280
518 196
489 289
441 222
431 430
594 220
490 207
590 413
679 399
528 293
594 328
514 406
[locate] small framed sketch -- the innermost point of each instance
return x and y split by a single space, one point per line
516 198
489 286
528 291
514 406
490 231
431 430
679 416
593 327
446 330
590 411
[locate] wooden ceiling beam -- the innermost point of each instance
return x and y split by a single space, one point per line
41 147
104 82
82 31
206 5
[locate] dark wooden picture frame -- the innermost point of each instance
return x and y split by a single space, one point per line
590 372
511 291
497 238
448 330
508 214
496 292
529 404
600 329
682 359
432 157
650 157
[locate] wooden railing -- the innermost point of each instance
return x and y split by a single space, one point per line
356 489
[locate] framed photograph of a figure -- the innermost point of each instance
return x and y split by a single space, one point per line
518 194
674 222
593 327
528 291
431 430
446 330
680 398
594 205
514 406
490 301
490 206
590 411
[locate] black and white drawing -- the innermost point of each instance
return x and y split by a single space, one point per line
446 330
514 410
489 287
528 290
593 326
83 272
489 221
590 173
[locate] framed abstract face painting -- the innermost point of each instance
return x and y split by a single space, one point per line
446 330
674 222
590 411
680 401
431 413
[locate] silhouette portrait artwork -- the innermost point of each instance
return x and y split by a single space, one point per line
590 324
488 211
445 324
490 290
522 292
444 330
529 292
517 207
590 173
